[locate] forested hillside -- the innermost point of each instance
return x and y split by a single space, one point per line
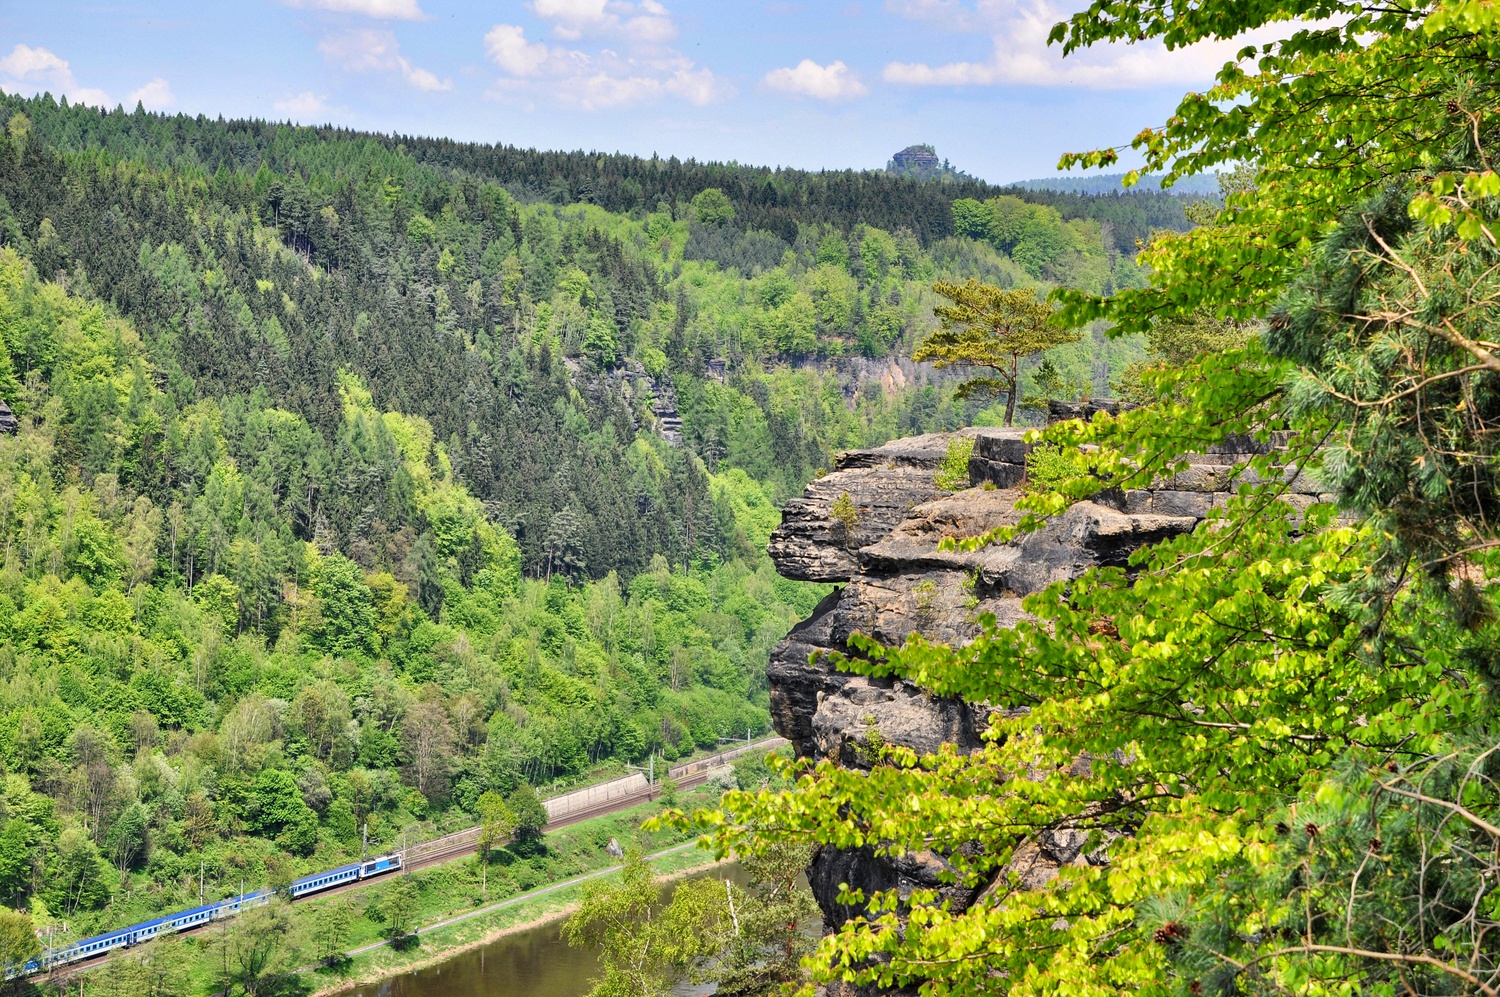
343 252
351 483
188 679
1114 183
779 201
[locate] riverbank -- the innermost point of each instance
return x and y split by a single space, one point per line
442 896
452 905
374 964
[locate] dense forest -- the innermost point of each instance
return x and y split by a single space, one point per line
778 201
186 665
411 276
357 477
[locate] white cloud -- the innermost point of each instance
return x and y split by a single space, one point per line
808 79
27 62
698 86
949 13
154 96
1018 30
384 10
368 50
507 47
641 68
302 106
32 70
572 17
644 22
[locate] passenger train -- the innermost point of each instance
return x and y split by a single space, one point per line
88 948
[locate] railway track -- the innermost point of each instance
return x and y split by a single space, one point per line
460 844
461 849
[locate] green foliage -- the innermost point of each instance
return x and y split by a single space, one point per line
527 813
1074 253
845 514
331 928
1415 389
953 472
771 919
1281 725
344 603
712 207
646 944
991 328
18 941
160 969
228 686
398 906
1173 342
257 948
1271 739
264 588
1047 465
497 822
1367 851
972 218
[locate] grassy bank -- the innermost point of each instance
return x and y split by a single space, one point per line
452 910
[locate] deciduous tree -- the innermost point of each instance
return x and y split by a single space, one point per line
331 927
529 812
258 946
18 943
427 738
496 825
398 907
648 945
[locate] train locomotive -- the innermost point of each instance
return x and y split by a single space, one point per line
89 948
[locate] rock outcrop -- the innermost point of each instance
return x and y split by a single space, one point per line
875 523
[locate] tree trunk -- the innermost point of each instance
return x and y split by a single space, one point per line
1010 395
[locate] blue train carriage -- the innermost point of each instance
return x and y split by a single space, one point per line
345 874
381 864
326 880
97 945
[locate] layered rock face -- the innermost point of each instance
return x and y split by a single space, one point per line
874 524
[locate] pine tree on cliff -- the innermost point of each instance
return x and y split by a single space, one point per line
994 328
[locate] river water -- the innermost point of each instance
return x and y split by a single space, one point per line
531 963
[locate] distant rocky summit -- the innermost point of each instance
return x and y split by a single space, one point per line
922 163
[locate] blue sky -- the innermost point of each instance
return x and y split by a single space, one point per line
827 84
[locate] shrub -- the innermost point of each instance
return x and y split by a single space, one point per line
1046 465
846 515
953 473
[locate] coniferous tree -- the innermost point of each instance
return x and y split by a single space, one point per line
993 329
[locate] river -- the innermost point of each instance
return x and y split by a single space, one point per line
531 963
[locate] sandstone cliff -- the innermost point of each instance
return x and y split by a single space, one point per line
895 582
